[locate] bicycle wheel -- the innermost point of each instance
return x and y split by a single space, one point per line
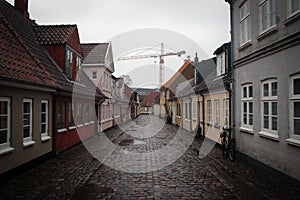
232 151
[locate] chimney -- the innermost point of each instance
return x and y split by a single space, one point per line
22 7
196 60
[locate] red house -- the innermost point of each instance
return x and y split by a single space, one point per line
75 114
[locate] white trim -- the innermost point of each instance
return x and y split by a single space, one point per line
6 151
62 130
28 143
293 99
245 19
267 3
27 139
47 117
246 130
86 124
92 122
293 142
248 100
7 144
80 125
72 127
45 138
290 14
268 135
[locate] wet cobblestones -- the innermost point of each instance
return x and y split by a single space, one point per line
77 175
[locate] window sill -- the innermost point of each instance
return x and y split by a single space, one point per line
245 45
86 124
270 136
6 151
80 125
62 130
246 130
293 142
72 127
294 17
45 138
217 126
209 124
92 122
28 144
187 120
267 32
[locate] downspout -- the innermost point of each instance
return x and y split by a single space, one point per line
54 128
190 108
203 114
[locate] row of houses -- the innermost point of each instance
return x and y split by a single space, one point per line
252 84
54 91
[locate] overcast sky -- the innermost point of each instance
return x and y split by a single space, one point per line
191 25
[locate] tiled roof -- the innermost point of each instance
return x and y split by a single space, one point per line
150 99
94 53
24 60
54 34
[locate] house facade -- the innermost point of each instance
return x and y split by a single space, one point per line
98 65
266 71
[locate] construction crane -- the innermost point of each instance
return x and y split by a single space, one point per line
161 56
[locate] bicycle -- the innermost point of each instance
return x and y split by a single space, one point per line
228 144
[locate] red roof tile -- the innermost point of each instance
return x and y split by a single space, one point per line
94 53
150 99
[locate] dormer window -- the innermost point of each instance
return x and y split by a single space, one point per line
69 64
78 67
221 64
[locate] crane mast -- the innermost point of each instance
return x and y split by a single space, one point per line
160 55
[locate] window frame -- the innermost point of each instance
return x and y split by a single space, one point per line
94 76
217 113
209 112
293 98
290 13
221 63
8 134
247 20
45 134
30 138
226 112
269 26
269 99
61 129
248 100
194 110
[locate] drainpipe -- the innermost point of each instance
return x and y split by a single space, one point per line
54 128
190 108
203 114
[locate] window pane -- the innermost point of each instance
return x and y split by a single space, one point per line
296 83
26 120
264 16
3 107
274 108
297 126
266 90
26 132
245 119
43 116
245 92
44 107
294 5
250 107
266 122
44 128
26 108
3 137
3 122
272 12
266 108
274 123
296 109
250 91
250 119
245 108
274 89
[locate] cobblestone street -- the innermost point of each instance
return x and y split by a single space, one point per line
76 174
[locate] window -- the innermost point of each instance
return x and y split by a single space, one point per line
269 106
294 7
178 110
247 106
221 64
27 120
209 107
44 118
69 64
295 107
4 122
86 113
70 115
217 112
194 110
267 14
94 75
186 111
92 112
79 114
78 67
226 112
245 27
61 115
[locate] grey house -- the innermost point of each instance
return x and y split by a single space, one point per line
266 53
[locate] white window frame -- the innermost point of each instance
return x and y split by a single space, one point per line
79 114
293 98
269 99
296 12
248 100
217 113
221 64
94 75
209 108
245 19
194 112
45 135
27 141
7 144
268 15
226 112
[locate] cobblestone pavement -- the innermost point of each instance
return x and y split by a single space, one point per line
76 174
